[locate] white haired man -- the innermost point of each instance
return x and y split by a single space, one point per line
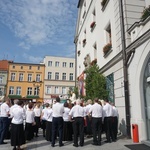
77 113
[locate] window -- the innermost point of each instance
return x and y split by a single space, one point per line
50 63
36 91
30 67
18 91
71 65
49 76
64 90
95 50
64 76
71 76
56 90
29 92
29 77
13 67
64 64
21 77
56 75
108 34
11 90
48 90
1 79
38 68
1 92
12 76
38 77
56 64
21 67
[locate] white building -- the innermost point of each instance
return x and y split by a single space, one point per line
100 27
59 77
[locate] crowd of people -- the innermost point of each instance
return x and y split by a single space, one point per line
65 122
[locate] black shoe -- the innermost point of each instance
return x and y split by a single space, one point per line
53 145
99 144
62 144
3 143
75 145
107 141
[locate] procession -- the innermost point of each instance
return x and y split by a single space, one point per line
58 121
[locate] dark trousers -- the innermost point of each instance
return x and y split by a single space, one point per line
89 128
29 131
97 129
4 122
108 128
78 129
57 127
115 127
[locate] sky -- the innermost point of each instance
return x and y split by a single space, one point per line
32 29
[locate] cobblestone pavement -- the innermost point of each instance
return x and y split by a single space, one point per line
40 143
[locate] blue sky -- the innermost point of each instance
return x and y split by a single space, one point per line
32 29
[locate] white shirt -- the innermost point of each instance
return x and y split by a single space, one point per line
49 115
30 116
58 110
37 112
77 111
115 112
66 114
18 114
4 110
44 113
87 108
96 110
11 109
107 110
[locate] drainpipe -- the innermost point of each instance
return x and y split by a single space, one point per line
125 71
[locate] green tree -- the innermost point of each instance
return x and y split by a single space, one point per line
95 83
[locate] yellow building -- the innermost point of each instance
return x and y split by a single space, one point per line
26 81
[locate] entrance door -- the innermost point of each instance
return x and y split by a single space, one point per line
147 95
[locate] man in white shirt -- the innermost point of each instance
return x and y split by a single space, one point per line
96 110
78 114
4 114
108 119
57 122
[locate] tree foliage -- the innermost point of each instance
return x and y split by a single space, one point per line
95 83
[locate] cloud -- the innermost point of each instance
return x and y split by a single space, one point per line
32 59
39 22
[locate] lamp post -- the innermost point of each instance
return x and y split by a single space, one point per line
37 86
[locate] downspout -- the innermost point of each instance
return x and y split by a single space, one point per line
125 71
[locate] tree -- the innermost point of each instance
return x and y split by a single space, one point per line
95 83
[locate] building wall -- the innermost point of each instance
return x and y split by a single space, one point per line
24 84
60 83
105 16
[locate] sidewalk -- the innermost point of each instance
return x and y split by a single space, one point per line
41 144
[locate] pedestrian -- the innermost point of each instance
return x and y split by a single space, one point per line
30 122
57 122
96 112
67 126
17 127
108 119
88 119
115 121
4 121
37 111
44 118
49 118
78 114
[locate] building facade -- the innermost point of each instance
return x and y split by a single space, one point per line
59 77
26 81
105 33
3 77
